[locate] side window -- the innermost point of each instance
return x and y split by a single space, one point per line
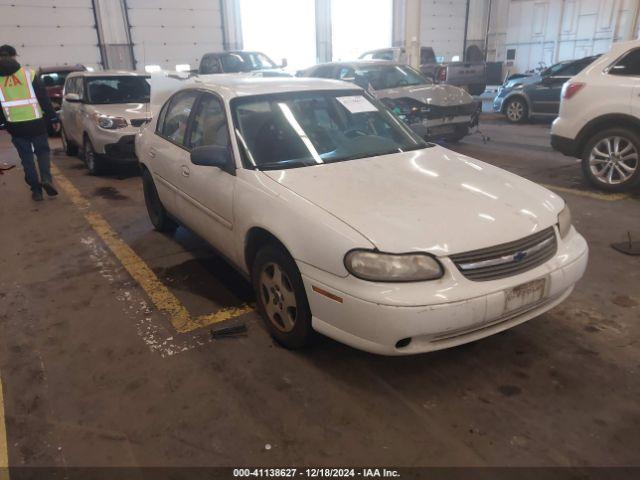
628 65
210 64
176 119
70 86
367 56
383 55
346 72
161 117
324 72
209 125
80 86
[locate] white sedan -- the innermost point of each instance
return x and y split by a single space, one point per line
349 224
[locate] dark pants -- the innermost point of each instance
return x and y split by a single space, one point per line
27 147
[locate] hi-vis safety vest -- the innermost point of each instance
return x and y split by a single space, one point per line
18 99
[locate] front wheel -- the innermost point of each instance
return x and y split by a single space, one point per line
516 110
90 157
70 149
610 160
282 300
159 217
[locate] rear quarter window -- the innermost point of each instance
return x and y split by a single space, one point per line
629 65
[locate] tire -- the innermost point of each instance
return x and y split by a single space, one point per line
516 110
69 148
158 215
91 158
282 300
611 160
477 89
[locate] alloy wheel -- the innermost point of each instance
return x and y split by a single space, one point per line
515 111
613 160
278 297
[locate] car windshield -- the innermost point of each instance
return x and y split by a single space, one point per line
53 79
279 131
246 62
387 76
125 89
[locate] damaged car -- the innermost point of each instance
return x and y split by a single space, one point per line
435 112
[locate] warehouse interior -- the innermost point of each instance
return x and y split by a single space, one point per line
319 238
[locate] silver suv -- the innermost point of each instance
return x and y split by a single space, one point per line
101 113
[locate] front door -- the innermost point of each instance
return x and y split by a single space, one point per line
206 197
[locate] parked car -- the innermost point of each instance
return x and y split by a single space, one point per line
239 61
523 98
53 80
599 119
432 111
348 223
471 75
101 113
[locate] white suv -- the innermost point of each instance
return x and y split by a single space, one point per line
599 119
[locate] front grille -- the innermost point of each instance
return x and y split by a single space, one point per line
138 122
509 258
437 111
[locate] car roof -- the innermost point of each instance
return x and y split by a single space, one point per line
362 63
234 85
108 73
62 68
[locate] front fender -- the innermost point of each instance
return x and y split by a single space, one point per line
310 234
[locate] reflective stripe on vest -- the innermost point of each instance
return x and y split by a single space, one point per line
18 98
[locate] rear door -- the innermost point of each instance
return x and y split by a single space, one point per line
206 200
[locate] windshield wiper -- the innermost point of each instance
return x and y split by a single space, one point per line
283 165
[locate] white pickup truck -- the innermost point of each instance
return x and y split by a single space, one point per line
470 75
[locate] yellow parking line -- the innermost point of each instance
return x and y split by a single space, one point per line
607 197
161 296
4 456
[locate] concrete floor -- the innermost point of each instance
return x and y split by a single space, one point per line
94 376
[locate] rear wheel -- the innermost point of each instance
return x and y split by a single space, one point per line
159 217
282 300
69 148
91 158
516 110
611 160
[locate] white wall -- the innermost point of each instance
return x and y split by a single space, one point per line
47 33
172 32
553 30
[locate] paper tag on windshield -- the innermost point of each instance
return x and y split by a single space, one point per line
357 104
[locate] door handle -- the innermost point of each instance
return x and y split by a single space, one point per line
185 171
152 152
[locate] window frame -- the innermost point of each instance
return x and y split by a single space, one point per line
163 115
609 69
196 107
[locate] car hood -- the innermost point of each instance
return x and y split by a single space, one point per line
126 110
522 81
440 95
432 200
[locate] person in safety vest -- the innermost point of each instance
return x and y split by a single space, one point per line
24 106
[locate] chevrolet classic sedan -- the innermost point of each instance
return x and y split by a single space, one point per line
349 224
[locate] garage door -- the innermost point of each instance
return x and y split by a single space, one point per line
170 33
51 33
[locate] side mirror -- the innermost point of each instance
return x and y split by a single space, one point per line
72 97
213 156
284 63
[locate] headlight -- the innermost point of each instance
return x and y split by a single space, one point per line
564 221
388 267
110 123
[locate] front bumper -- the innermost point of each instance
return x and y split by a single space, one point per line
123 151
498 104
439 314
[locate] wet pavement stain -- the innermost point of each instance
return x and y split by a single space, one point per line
109 193
624 301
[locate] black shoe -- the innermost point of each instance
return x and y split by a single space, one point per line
37 196
50 189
